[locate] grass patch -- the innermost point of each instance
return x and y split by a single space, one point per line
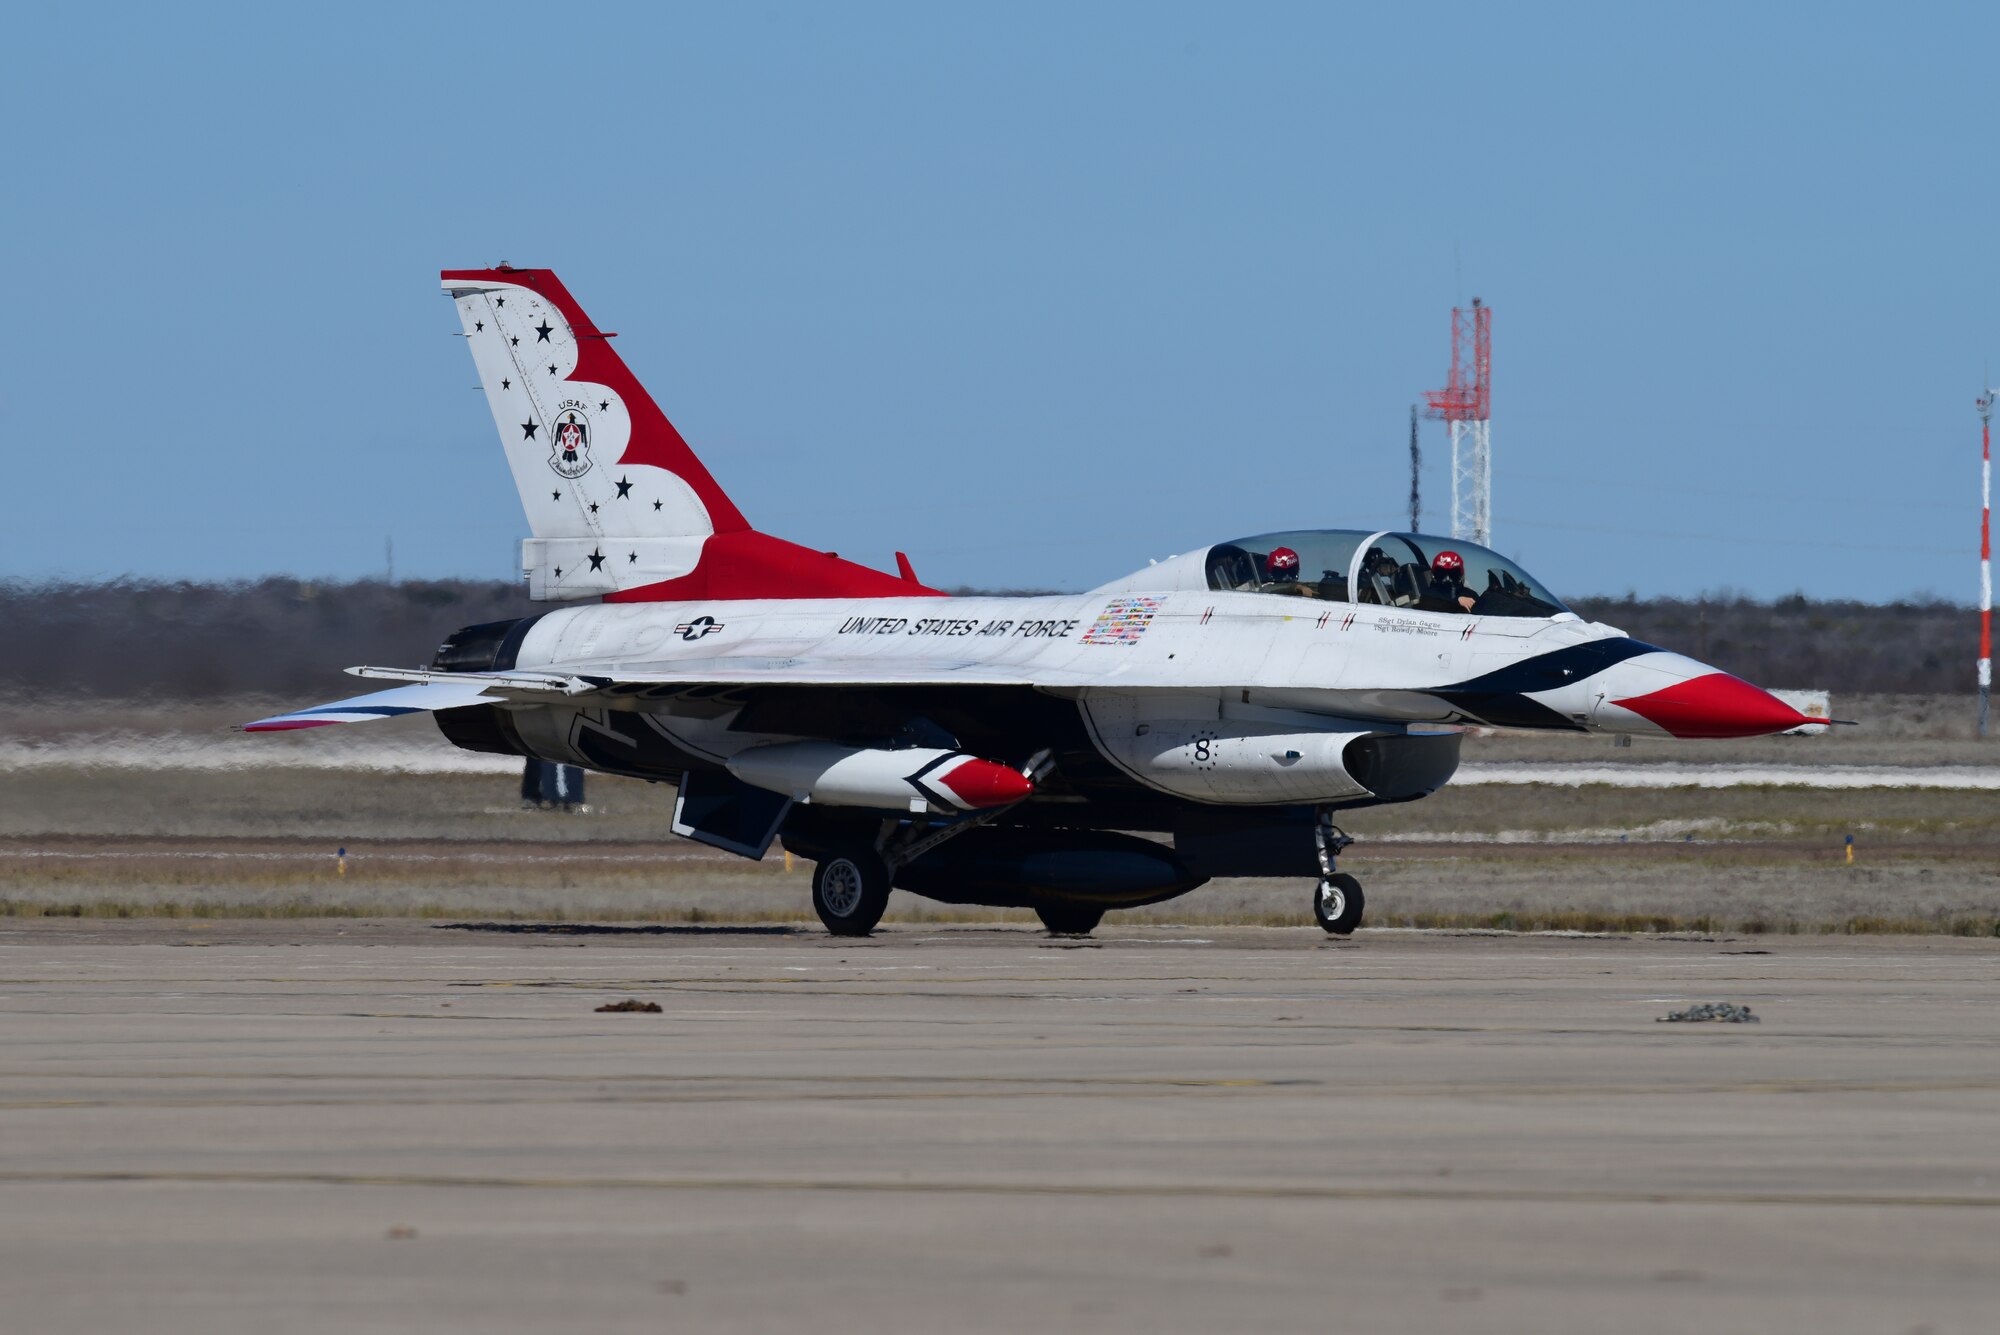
215 910
1507 920
1638 924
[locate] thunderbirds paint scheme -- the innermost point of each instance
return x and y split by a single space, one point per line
992 750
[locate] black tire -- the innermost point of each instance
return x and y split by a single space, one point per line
1337 904
1070 919
850 891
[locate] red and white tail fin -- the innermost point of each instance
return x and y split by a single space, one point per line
618 504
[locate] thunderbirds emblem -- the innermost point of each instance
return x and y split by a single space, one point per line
569 443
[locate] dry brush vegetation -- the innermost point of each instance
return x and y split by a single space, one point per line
1506 857
285 636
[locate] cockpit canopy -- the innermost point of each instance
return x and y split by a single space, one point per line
1391 569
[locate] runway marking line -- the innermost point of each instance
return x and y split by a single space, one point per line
802 1087
1245 1191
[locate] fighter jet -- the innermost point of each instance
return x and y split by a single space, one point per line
1209 715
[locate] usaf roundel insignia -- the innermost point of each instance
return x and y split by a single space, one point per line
569 442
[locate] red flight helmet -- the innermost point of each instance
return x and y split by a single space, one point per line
1448 565
1284 563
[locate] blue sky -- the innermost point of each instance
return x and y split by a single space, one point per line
1031 292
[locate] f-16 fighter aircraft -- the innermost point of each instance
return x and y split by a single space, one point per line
1011 751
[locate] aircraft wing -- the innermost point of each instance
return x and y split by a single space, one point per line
587 678
428 690
431 690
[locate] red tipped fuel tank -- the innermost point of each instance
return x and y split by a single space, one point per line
919 779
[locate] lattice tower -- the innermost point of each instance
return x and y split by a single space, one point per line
1466 404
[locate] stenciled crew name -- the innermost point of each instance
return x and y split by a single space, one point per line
1018 630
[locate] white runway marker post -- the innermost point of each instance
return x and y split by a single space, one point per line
1985 557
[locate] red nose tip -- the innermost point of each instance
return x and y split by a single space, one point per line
1716 705
986 783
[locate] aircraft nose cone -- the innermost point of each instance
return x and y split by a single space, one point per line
1715 704
986 783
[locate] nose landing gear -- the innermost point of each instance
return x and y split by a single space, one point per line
1337 904
1337 900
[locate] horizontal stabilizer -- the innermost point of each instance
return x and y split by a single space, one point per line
380 705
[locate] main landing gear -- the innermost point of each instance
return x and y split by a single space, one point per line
850 891
1069 919
1337 899
851 883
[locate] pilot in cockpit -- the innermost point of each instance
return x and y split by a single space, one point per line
1448 591
1282 567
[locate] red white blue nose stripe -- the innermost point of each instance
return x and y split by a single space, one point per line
1714 704
1623 685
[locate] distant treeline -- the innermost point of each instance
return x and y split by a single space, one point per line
292 637
1922 648
203 641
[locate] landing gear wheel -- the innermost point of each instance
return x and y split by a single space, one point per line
850 890
1069 919
1337 903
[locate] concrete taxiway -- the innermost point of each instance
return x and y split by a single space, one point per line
405 1126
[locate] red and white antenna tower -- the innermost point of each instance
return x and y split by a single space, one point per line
1466 402
1985 556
